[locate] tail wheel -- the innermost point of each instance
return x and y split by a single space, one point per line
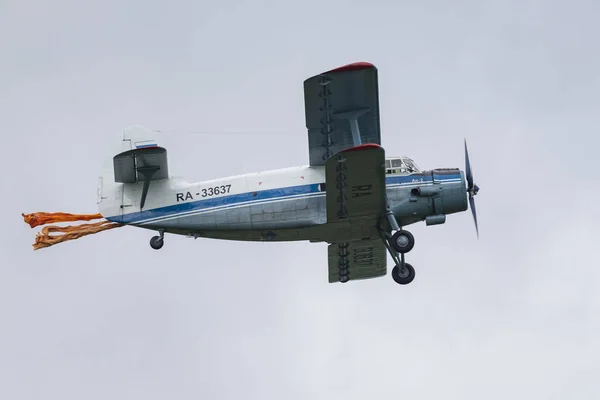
157 242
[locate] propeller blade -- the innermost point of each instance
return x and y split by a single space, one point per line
468 168
474 212
472 188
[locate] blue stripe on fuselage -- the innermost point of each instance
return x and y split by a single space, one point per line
254 197
199 205
419 179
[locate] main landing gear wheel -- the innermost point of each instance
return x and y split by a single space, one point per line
402 241
397 245
403 276
157 242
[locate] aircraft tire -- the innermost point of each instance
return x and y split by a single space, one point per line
403 279
157 242
402 241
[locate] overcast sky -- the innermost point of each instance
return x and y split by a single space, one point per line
513 315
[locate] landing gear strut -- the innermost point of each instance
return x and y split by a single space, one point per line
157 242
398 244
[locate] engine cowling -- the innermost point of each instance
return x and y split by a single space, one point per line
443 192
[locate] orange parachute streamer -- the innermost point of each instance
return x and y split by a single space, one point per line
43 218
45 238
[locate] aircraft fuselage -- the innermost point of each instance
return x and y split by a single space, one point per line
277 205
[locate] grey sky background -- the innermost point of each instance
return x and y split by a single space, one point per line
513 314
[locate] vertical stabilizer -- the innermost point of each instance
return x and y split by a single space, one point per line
137 137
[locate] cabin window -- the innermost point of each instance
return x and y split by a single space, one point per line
401 165
396 163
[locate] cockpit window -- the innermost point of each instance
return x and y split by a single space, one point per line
410 165
397 163
401 165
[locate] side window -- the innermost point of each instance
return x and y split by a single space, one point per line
396 163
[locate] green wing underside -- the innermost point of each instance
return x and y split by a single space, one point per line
342 118
357 260
334 99
355 187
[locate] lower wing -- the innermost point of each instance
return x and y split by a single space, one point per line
357 260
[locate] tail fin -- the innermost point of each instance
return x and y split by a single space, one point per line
142 161
137 137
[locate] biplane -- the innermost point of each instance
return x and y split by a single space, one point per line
350 195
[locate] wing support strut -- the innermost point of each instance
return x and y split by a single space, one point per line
147 172
352 117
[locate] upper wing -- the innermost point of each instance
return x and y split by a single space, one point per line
342 110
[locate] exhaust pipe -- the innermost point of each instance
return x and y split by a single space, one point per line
426 191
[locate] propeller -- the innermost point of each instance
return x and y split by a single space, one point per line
472 188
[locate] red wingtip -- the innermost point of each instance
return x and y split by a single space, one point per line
365 146
353 67
148 148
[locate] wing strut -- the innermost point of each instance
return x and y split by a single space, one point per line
352 117
147 172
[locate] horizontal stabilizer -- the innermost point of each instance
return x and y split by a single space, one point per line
141 164
145 163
